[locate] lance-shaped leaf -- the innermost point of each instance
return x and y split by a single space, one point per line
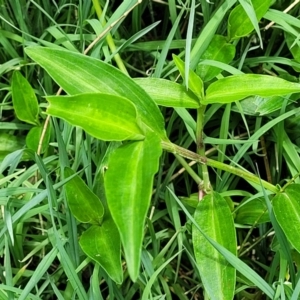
168 93
24 100
77 73
238 87
218 50
239 23
106 117
83 203
214 217
102 244
128 185
195 82
286 206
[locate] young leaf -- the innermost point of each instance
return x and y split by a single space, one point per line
106 117
238 87
239 23
195 82
24 99
77 73
218 50
214 217
33 138
102 244
286 206
83 203
128 185
167 93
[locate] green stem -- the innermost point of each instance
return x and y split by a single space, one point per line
201 147
109 39
188 168
170 147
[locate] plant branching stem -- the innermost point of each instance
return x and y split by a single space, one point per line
175 149
188 168
201 147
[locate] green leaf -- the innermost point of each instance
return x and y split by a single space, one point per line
258 106
33 138
191 201
77 73
106 117
237 87
167 93
286 206
102 244
294 47
24 99
209 30
218 50
9 143
128 185
239 23
253 212
238 264
214 217
195 82
83 203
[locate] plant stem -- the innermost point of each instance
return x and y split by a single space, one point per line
170 147
188 168
201 147
109 39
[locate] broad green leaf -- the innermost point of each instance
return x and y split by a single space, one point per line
218 50
102 244
24 100
128 185
238 264
9 143
167 93
253 212
106 117
238 87
214 217
33 138
258 106
77 74
286 206
239 24
83 203
195 82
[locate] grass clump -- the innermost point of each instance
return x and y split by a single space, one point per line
182 183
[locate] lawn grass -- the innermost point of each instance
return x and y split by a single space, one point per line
39 237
